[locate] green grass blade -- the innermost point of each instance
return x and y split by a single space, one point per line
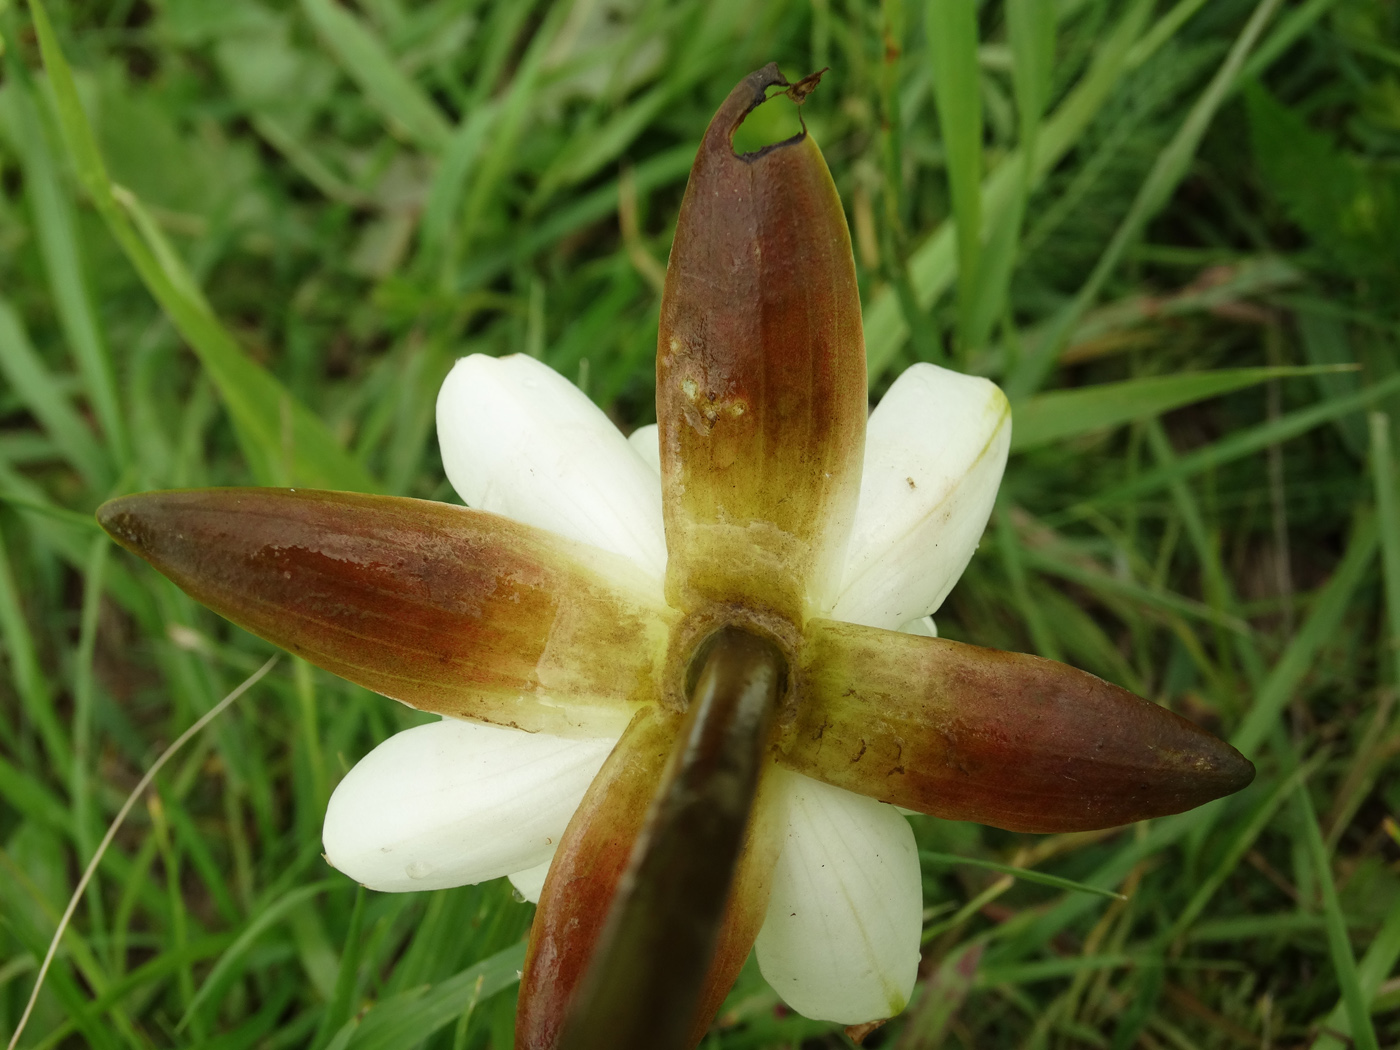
1245 442
1161 834
35 386
284 442
496 163
1245 278
1354 998
26 672
663 169
68 534
62 983
609 141
341 1004
269 1018
1375 966
1164 29
213 876
275 430
445 197
502 30
1030 30
76 519
1031 35
1052 969
84 686
951 28
32 799
1242 837
589 154
225 970
63 256
412 1016
1103 582
1292 26
1215 583
1387 488
1324 339
934 264
1040 877
1060 414
362 55
1009 545
279 136
1322 622
1167 171
944 992
1247 927
163 965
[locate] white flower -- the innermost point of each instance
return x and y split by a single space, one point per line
454 802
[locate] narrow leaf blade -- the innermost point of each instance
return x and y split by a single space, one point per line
1060 414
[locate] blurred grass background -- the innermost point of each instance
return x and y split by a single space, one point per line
242 242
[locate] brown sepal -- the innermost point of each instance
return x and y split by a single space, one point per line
1004 739
446 609
760 374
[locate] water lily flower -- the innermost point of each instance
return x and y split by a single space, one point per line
687 678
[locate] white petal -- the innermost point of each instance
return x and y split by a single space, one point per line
647 441
530 882
924 627
935 449
840 941
519 439
451 803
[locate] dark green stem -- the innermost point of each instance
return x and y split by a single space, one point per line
643 986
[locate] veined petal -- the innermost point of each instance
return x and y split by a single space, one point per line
924 627
452 803
1005 739
760 375
841 938
446 609
530 882
935 449
647 443
519 439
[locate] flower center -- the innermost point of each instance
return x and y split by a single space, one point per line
693 638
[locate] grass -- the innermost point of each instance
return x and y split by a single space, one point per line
242 243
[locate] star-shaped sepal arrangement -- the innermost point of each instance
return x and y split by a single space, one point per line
742 669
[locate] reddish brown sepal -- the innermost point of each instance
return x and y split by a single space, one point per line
760 374
446 609
1005 739
590 860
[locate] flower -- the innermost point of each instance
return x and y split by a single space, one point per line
452 802
720 599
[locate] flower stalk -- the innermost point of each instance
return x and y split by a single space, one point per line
663 929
